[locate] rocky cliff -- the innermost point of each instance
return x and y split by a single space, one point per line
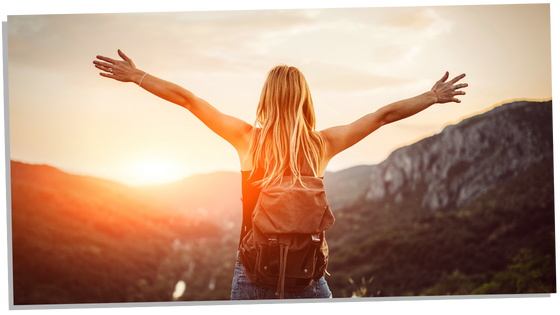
449 169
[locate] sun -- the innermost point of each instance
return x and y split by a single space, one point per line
154 171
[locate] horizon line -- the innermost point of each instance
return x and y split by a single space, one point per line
62 169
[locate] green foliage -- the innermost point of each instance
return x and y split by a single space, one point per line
455 283
454 252
531 272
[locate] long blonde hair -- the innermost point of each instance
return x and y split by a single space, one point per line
284 136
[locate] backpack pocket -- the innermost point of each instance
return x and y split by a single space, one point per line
299 264
322 261
248 255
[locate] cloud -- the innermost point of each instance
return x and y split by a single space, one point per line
419 20
232 41
40 40
415 20
343 79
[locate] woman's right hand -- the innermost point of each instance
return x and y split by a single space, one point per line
120 70
446 91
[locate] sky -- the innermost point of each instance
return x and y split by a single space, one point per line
356 60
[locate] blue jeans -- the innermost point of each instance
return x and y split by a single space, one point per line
244 289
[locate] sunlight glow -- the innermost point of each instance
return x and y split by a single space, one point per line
153 171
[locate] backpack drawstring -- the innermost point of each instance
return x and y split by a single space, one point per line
282 272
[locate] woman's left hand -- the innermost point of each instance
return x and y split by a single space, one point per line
446 91
120 70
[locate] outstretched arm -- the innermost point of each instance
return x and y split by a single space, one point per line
233 130
340 138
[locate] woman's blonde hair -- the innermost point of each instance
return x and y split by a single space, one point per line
284 135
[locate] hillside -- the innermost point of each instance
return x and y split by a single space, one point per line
501 242
84 240
466 211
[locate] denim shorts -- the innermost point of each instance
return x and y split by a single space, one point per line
244 289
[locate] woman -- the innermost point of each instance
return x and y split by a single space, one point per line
282 140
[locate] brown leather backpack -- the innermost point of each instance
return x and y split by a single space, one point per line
286 247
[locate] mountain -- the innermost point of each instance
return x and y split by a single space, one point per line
446 171
49 180
452 168
79 239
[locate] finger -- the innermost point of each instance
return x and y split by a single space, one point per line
102 64
123 56
107 75
457 78
445 76
104 68
459 93
109 60
456 100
